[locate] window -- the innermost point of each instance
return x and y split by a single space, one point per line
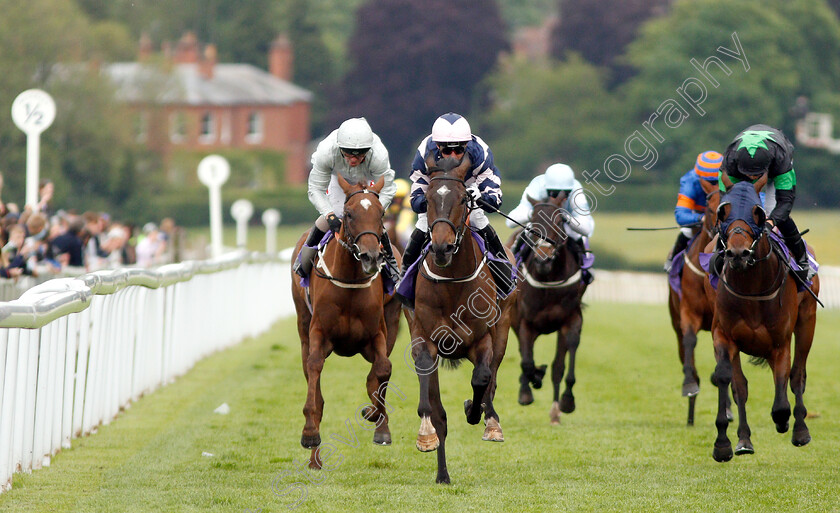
141 126
255 128
177 127
207 134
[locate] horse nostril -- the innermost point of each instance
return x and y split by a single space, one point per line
745 253
449 248
728 253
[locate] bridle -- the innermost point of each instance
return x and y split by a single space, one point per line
751 260
543 242
459 230
351 244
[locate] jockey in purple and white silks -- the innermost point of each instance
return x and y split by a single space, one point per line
451 136
358 155
557 180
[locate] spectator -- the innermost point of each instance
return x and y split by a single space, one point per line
68 248
3 209
95 255
14 260
151 247
45 192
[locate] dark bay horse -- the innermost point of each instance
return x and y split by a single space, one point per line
457 314
350 314
694 310
757 311
549 301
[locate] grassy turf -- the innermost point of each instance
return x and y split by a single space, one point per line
626 448
615 247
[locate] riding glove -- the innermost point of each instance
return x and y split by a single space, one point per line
334 222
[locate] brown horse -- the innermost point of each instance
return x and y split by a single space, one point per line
457 314
693 312
757 311
350 314
550 294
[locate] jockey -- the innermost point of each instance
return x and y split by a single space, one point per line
558 180
691 201
451 136
355 152
762 149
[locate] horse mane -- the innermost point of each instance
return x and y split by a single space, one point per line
449 165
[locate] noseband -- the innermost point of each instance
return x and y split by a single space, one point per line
459 230
351 245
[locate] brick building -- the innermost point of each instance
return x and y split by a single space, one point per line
188 101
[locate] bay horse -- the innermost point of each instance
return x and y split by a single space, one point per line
757 311
457 314
692 310
350 313
549 301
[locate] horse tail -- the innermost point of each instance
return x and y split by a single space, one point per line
759 361
451 363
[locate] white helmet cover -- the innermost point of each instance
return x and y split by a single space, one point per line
355 133
451 128
559 177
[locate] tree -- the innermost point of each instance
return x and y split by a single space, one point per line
601 29
791 49
547 113
413 60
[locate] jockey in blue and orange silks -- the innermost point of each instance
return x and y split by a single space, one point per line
691 201
451 136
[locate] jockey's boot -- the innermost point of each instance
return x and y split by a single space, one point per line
303 265
680 244
390 268
502 270
413 248
578 251
800 253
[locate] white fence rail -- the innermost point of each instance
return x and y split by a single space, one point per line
74 351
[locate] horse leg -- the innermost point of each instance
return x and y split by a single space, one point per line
723 376
313 409
804 332
780 362
493 428
741 393
570 344
530 373
380 373
424 366
729 414
482 356
439 423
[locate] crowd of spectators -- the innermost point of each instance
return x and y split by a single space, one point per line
37 241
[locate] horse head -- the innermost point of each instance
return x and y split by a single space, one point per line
547 221
447 201
741 222
713 194
362 228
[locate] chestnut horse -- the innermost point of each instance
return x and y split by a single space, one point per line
549 301
693 311
350 314
456 313
757 311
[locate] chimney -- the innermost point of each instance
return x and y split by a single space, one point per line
186 51
144 50
280 58
205 67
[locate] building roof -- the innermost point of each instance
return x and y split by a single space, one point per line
231 84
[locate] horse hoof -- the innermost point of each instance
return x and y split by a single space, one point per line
782 428
368 413
801 440
744 448
442 478
690 389
722 454
427 443
493 431
310 441
554 414
537 378
476 415
526 398
382 438
567 403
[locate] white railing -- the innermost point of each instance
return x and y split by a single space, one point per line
652 288
74 351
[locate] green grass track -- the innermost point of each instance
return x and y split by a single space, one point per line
625 448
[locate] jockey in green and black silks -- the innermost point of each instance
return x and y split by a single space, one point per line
759 149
